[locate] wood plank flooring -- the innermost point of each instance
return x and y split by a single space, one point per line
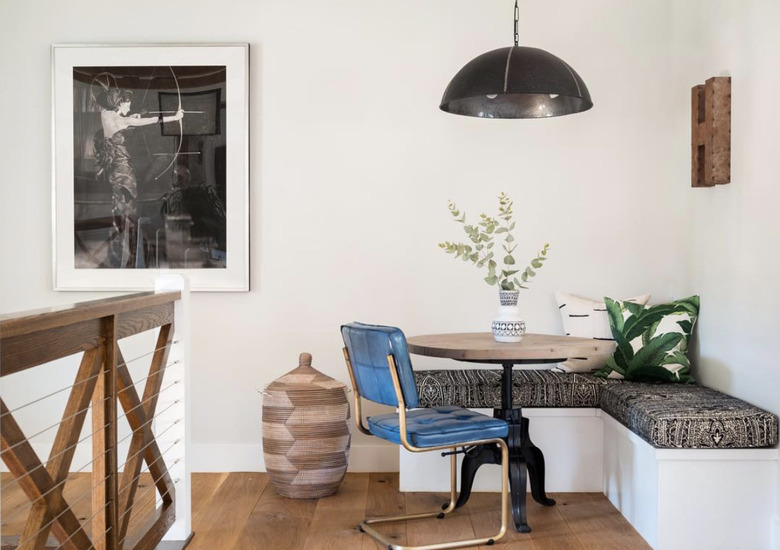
243 511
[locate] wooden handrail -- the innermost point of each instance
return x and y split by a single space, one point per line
26 322
33 338
36 337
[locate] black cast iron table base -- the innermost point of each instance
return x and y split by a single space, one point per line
525 459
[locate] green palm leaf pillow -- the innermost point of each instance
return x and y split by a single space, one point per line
651 341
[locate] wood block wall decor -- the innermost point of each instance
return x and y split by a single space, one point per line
711 132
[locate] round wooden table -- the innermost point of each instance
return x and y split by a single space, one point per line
525 458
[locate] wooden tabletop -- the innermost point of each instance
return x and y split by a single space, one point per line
481 347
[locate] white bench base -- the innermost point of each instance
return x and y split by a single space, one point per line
691 499
677 499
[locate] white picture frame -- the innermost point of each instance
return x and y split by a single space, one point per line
150 165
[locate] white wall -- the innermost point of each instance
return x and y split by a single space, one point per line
733 231
351 167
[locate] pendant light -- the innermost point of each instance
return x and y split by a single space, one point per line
516 82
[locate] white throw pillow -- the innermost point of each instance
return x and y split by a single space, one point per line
587 318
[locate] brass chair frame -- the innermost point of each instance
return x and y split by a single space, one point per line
365 526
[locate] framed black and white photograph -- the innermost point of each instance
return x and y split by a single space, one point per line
150 166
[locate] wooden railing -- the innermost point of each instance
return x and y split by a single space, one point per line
118 515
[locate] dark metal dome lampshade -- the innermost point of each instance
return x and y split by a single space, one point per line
516 82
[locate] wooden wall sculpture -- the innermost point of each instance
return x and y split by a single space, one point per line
711 132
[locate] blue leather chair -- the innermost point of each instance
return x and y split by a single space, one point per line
381 371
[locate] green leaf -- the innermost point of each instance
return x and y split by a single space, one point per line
615 315
530 272
501 230
509 260
648 334
624 353
637 324
634 309
524 276
613 365
676 358
686 326
656 349
491 280
536 263
509 239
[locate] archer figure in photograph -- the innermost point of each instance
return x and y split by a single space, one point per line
115 162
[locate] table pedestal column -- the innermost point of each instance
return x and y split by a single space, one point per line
524 458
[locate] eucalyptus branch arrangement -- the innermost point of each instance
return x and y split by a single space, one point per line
483 237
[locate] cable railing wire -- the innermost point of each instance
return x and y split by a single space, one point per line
148 421
125 363
141 403
27 439
80 411
71 504
93 487
87 520
138 511
20 407
136 382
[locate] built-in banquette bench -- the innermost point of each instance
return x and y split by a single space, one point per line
690 467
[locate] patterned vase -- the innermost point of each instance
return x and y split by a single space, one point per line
306 432
508 326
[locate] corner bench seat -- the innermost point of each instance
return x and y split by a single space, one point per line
674 416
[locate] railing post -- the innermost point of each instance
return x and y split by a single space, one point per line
176 404
104 444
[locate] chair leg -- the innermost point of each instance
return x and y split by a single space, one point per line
449 507
365 527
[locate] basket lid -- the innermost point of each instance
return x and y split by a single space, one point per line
304 374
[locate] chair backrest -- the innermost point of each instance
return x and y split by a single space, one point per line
368 347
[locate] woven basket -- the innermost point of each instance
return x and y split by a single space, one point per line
306 432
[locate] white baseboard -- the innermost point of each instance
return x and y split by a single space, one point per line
234 457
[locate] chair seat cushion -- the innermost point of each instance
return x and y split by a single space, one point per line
438 426
687 416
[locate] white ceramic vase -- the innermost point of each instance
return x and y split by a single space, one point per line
508 326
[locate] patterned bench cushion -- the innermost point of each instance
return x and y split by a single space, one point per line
675 416
481 388
686 416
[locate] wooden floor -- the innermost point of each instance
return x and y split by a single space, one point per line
242 511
